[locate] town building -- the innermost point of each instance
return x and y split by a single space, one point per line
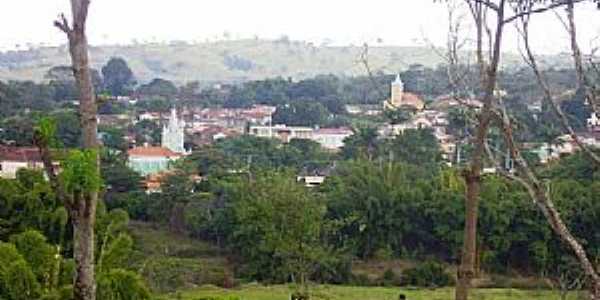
149 160
12 159
173 134
282 132
331 138
400 98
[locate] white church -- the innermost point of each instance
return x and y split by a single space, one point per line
150 160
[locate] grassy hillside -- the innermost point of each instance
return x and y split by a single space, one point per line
170 262
228 61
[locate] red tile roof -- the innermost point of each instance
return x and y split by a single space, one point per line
412 99
152 151
20 154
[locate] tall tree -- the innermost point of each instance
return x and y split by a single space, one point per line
82 199
118 77
472 175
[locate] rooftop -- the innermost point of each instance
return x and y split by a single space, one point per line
152 151
19 154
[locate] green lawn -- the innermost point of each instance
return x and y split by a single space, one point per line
329 292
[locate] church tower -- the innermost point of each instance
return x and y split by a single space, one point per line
397 92
173 133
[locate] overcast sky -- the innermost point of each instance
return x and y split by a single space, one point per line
396 22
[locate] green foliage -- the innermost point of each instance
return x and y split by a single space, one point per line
117 253
113 138
301 113
168 274
250 153
68 128
41 256
118 77
118 284
31 196
419 147
398 116
427 274
158 89
46 130
363 144
80 172
277 225
20 282
8 255
114 245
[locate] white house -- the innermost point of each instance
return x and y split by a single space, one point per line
282 132
12 159
151 160
331 138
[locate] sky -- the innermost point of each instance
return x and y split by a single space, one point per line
338 22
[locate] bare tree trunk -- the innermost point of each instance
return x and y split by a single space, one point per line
583 82
466 270
83 208
83 248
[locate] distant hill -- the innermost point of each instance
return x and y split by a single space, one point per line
226 61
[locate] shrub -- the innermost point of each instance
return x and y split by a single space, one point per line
390 278
118 284
427 274
300 296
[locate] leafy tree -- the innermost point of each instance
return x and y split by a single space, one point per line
62 81
113 138
147 131
362 144
400 115
118 77
38 254
277 227
159 88
301 113
417 146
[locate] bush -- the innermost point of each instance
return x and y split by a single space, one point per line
300 296
389 278
118 284
427 274
334 269
165 274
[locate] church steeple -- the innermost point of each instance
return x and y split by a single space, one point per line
173 133
397 91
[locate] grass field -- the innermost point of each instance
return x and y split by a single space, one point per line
329 292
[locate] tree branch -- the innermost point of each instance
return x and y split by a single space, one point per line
532 62
532 11
63 24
